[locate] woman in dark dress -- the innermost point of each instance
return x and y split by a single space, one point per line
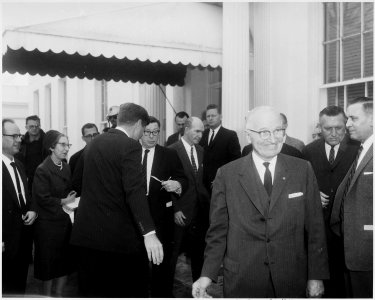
52 191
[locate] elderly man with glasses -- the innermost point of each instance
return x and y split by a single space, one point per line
32 153
266 221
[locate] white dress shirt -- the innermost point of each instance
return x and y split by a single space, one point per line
328 150
366 145
188 151
258 161
7 162
210 133
150 160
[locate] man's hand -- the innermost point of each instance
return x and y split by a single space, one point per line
154 249
179 218
200 288
324 199
315 288
171 185
29 217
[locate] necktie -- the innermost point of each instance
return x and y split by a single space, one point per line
212 137
193 160
20 196
348 182
267 179
144 167
331 155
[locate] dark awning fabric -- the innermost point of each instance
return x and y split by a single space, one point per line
99 68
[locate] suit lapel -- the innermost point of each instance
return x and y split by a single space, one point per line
251 183
154 168
217 136
340 152
281 176
8 183
185 158
364 162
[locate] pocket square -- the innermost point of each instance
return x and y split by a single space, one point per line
368 227
294 195
367 173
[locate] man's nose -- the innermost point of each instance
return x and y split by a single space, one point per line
348 123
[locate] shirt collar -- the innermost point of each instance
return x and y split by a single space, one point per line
258 161
216 129
123 130
7 160
367 143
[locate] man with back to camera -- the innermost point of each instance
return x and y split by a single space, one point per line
352 212
113 226
18 214
191 210
220 145
165 179
180 120
266 221
32 153
331 157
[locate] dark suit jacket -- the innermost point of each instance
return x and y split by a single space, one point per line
288 239
172 139
12 216
286 149
196 196
358 218
74 159
113 212
224 148
166 164
330 176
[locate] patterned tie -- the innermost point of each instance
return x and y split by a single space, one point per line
193 160
20 196
144 168
267 179
212 137
331 155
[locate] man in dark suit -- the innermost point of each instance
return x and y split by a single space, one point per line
285 149
191 210
352 212
331 157
180 120
18 214
165 178
266 221
291 141
220 145
113 213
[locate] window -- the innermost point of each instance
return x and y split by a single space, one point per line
348 51
63 106
36 102
47 106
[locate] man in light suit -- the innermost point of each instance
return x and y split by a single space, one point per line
352 212
220 145
266 221
165 179
18 215
113 227
191 210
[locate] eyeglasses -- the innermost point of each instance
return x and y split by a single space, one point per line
33 126
91 136
14 136
265 134
65 145
154 133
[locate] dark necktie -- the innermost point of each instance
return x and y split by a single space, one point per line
331 155
193 160
212 137
267 179
20 196
348 182
144 167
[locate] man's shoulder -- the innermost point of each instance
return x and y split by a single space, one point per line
228 132
314 145
77 154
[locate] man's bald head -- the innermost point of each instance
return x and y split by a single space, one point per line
193 130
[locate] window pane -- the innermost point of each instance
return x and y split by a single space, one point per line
352 57
331 20
370 89
368 39
340 96
355 90
352 17
331 96
331 62
368 12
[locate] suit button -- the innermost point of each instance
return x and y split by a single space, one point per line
268 240
262 219
266 263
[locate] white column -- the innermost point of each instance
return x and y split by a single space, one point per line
262 54
236 57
